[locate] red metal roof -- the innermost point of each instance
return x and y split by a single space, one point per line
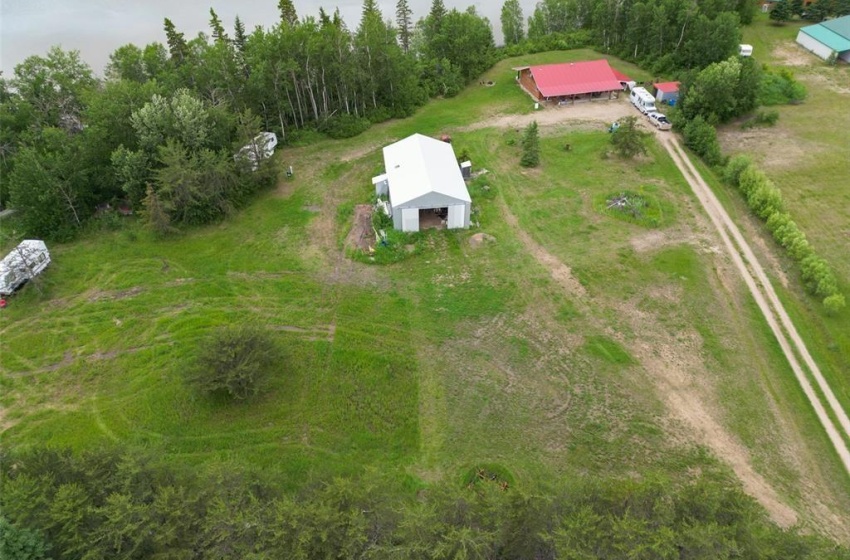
668 87
620 76
574 78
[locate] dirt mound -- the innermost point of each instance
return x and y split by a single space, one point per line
480 239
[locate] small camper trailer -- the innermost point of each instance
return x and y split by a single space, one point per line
25 262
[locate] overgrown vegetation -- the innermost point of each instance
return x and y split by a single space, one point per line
641 207
113 504
779 87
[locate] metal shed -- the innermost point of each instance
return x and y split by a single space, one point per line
827 38
425 185
667 92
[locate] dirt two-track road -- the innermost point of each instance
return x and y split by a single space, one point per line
765 296
745 262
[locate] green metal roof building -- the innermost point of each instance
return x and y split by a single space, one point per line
827 37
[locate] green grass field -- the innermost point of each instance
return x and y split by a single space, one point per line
456 357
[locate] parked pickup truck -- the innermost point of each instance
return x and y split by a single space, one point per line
659 120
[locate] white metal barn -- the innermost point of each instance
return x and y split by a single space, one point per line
424 184
827 38
25 262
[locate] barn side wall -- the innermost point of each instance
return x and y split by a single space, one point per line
813 45
526 80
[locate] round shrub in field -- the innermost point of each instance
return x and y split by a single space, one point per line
733 170
234 362
834 303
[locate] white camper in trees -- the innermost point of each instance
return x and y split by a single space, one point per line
261 147
25 262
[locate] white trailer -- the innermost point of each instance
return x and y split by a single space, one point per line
261 147
25 262
643 100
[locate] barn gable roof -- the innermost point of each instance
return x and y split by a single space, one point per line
834 33
575 78
667 87
418 166
839 26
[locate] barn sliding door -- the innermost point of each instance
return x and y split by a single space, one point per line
457 216
410 219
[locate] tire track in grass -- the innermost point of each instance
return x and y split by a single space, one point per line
678 396
762 291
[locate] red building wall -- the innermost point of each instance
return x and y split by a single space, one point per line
527 81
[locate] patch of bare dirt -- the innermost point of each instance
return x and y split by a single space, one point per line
777 148
829 78
260 274
584 115
362 151
480 239
672 360
561 273
792 54
113 295
361 236
326 333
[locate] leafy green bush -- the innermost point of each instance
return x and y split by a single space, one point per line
701 137
765 199
762 118
779 87
834 303
379 115
234 362
344 126
818 277
734 168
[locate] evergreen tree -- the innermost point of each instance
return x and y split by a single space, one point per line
404 21
780 12
530 146
796 8
819 10
176 43
628 139
512 22
218 32
288 14
435 16
239 36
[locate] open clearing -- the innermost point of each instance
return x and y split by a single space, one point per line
572 345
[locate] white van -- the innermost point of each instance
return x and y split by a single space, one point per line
643 100
25 262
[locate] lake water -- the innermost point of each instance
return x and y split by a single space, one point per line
97 27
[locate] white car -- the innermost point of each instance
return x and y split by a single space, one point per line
659 120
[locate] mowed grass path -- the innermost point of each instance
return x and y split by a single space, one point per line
456 357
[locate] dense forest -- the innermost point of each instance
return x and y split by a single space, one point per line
112 505
159 130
